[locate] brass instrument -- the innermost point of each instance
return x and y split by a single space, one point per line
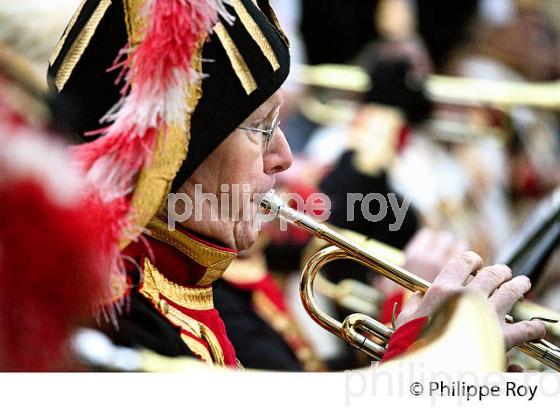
441 89
349 82
354 295
358 329
350 293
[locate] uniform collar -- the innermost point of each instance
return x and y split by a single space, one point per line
186 259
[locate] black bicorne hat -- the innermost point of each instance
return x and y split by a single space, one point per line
244 63
223 58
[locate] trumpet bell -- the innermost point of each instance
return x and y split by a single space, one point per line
464 320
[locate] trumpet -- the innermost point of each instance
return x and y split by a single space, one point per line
441 89
361 331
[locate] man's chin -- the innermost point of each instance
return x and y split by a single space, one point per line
246 238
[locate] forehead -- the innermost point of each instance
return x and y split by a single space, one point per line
273 102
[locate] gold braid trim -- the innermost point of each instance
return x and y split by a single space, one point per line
187 323
215 355
79 46
256 33
215 260
238 63
24 89
69 27
155 283
198 349
246 271
215 347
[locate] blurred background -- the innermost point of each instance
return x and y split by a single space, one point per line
365 113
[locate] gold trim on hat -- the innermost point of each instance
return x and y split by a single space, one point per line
237 62
69 28
155 179
215 260
268 11
135 23
79 46
256 33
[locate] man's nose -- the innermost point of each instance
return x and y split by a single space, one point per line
278 157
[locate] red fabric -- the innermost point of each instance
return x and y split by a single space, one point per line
182 270
268 286
404 337
50 275
178 268
387 309
403 138
211 319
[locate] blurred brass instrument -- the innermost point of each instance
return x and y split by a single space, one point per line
344 84
441 89
361 331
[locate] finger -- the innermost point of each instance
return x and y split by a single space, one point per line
413 303
489 278
456 272
521 332
508 294
410 309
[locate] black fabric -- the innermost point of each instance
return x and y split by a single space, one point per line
395 86
344 179
335 31
284 257
256 344
142 326
91 89
443 26
224 104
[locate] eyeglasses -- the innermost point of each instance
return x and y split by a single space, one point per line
268 133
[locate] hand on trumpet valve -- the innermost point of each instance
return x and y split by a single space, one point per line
429 251
466 272
426 255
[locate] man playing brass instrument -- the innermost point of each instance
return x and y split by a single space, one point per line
193 123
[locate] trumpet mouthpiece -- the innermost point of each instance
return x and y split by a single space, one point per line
271 203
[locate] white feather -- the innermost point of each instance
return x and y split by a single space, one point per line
26 154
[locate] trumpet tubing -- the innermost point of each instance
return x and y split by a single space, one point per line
357 328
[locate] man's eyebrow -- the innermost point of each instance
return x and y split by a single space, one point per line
262 113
